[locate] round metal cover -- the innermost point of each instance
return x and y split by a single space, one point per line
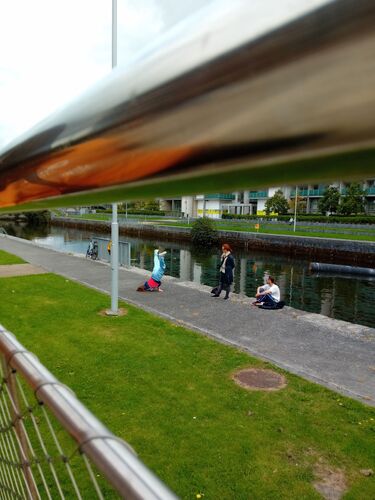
260 380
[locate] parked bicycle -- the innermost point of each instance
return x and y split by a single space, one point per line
92 250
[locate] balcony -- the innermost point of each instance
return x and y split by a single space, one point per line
370 191
220 196
301 192
316 192
258 194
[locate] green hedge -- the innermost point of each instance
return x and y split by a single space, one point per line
133 212
357 219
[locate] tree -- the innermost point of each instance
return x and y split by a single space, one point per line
330 200
152 205
37 218
353 201
203 233
301 205
277 203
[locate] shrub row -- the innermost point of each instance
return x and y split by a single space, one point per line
357 219
158 213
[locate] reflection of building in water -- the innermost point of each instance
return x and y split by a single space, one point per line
197 273
326 303
281 281
185 265
242 264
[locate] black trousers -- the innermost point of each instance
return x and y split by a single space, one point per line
223 285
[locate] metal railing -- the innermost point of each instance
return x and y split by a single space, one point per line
200 121
258 194
124 255
219 196
51 446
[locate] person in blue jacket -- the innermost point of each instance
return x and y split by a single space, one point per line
153 284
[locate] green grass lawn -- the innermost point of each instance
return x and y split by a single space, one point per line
109 217
342 233
168 392
272 230
7 258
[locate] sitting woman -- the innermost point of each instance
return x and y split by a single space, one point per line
268 294
153 284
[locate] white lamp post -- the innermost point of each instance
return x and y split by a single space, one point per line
295 210
114 225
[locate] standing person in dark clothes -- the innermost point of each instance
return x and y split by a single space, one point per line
226 272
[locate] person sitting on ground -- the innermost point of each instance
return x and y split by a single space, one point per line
268 294
153 284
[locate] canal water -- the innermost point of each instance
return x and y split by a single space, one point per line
350 299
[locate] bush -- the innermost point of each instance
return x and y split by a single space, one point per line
158 213
203 233
37 218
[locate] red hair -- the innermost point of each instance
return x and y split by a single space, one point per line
226 247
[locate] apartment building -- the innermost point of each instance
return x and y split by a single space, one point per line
253 202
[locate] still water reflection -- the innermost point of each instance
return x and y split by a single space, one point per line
350 299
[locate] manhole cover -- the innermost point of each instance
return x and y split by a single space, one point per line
260 380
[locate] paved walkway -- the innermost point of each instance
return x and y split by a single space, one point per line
7 271
333 353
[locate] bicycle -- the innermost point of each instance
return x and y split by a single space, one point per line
92 251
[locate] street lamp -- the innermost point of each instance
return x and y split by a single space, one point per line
295 210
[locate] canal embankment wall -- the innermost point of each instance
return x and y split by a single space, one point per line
359 253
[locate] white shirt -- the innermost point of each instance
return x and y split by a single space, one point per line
275 292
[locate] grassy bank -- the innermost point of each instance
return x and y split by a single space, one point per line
356 234
169 392
7 258
278 230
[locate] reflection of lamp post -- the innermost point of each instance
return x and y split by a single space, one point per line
295 210
114 225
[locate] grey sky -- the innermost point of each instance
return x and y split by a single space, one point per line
51 51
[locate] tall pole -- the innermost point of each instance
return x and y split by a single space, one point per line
114 225
295 210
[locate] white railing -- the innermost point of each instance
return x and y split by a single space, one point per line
52 446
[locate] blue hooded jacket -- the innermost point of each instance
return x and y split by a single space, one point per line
159 266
